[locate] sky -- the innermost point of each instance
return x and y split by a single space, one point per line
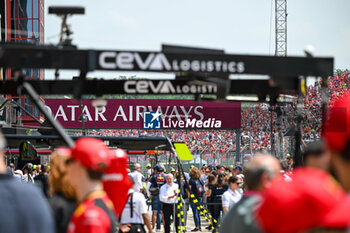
237 26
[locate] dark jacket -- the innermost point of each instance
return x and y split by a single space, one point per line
62 209
42 181
23 208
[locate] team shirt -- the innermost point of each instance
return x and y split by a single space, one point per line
90 217
158 180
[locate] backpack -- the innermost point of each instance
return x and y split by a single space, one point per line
155 190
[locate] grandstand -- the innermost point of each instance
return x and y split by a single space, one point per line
218 146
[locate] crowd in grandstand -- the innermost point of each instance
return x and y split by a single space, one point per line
255 124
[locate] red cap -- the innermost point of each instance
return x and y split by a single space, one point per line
92 153
337 127
300 204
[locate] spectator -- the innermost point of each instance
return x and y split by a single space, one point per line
62 194
41 180
290 161
88 161
211 186
205 175
18 175
173 171
168 196
157 181
28 174
137 177
197 189
149 171
315 155
237 170
217 192
259 173
36 169
220 169
232 195
134 215
23 208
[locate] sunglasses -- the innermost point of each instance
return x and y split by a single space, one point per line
239 183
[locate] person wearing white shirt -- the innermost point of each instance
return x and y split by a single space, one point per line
168 196
232 195
148 186
137 177
135 214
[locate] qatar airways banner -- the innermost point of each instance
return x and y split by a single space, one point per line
147 114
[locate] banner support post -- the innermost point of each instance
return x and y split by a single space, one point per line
238 144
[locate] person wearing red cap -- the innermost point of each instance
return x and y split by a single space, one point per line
311 200
337 136
89 159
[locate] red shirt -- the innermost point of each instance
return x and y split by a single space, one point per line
90 218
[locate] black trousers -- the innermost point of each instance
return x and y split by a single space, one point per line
217 209
211 209
168 210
